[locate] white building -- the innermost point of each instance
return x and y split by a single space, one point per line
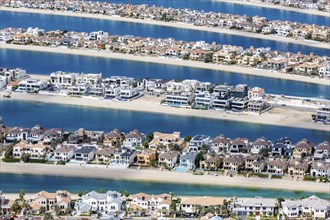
124 157
324 71
257 206
106 204
35 151
64 153
320 169
134 138
151 203
127 93
80 89
98 35
197 142
319 208
179 100
62 79
17 134
84 153
204 100
31 85
168 158
256 92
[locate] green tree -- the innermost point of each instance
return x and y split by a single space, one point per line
42 210
199 157
16 207
264 152
56 210
153 163
186 56
208 58
9 152
25 157
187 138
48 216
21 197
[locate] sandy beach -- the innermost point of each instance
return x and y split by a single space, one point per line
280 7
169 61
160 176
151 104
175 25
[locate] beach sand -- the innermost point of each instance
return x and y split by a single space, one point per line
160 176
169 61
175 25
151 104
280 7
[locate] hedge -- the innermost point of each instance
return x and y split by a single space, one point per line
11 160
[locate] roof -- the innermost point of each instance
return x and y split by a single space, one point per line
107 151
304 144
115 133
64 149
85 150
221 139
234 159
277 163
134 134
204 201
188 156
257 201
169 155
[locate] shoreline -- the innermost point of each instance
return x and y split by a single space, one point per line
279 7
161 176
169 61
174 25
151 104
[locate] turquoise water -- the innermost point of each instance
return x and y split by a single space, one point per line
39 63
12 183
23 113
52 22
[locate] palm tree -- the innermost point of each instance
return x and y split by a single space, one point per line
21 198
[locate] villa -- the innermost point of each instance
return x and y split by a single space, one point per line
319 208
124 157
220 144
84 153
256 206
133 139
150 203
61 199
198 142
35 151
255 164
105 204
62 79
163 139
64 153
190 205
277 167
17 134
187 160
320 169
31 85
233 163
210 162
104 154
302 149
145 157
169 158
297 168
259 144
322 151
113 138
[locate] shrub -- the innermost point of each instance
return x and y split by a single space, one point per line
37 161
309 178
276 177
11 160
